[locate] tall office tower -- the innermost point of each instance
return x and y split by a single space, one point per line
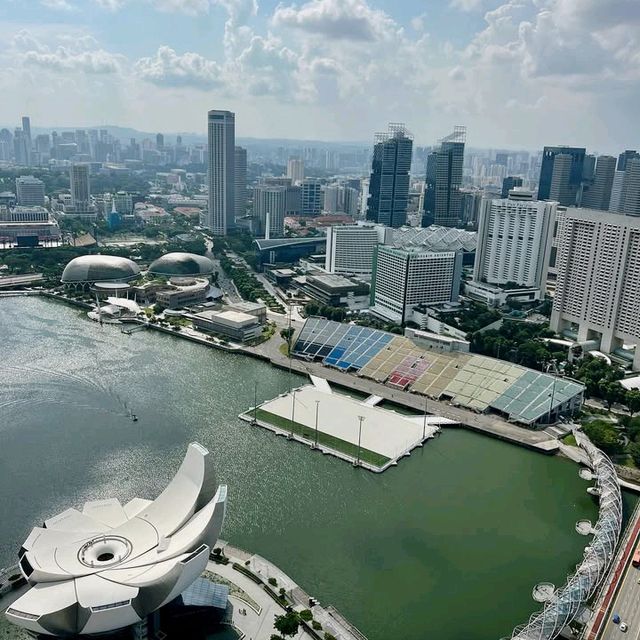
598 195
221 171
514 241
294 201
30 191
631 188
571 189
405 278
589 167
269 203
623 158
442 197
331 198
560 190
597 288
159 141
80 187
615 204
6 144
502 159
470 206
19 147
26 132
509 183
350 197
311 197
295 170
389 181
350 248
240 182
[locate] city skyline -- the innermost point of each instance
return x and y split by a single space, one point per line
504 69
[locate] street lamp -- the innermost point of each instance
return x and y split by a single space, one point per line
315 444
255 402
293 413
424 424
553 388
361 419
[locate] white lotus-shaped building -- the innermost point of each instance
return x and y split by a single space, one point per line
109 566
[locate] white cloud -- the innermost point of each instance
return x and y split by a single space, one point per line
110 5
63 59
58 5
466 5
66 52
340 19
168 68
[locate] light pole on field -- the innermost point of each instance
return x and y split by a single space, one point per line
315 444
293 413
361 419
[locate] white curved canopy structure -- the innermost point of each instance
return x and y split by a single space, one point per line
108 566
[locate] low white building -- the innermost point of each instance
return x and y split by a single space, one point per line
238 326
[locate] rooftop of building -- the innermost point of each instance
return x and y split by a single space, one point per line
178 263
435 238
100 268
273 243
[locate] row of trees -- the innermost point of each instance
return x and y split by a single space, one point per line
249 286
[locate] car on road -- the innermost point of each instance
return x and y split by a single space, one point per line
623 627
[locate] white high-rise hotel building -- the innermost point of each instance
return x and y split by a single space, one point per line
221 171
598 285
350 248
406 278
514 241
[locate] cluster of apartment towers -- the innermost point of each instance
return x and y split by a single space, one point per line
579 235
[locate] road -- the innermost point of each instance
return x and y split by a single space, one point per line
626 605
224 282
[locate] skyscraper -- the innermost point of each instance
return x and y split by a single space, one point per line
514 241
561 190
442 197
598 273
624 157
80 187
159 141
631 188
615 203
311 192
240 182
269 204
509 183
26 132
221 171
575 174
598 195
389 181
295 170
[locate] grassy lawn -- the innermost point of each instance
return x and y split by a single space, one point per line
375 459
570 439
284 350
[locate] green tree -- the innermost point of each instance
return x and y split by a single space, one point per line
604 435
634 451
287 624
613 392
632 400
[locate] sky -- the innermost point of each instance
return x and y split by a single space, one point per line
517 73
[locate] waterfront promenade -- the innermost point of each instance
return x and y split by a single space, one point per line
259 608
